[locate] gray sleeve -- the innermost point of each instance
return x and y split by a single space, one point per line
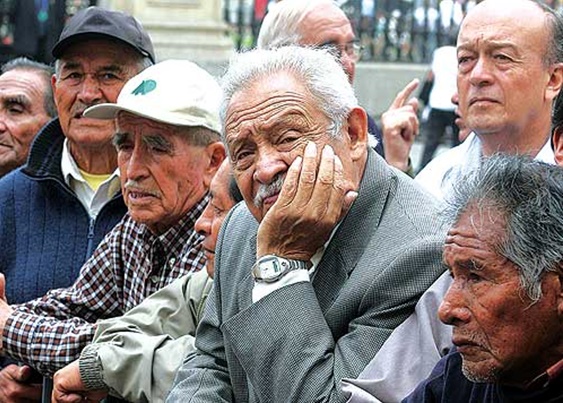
408 355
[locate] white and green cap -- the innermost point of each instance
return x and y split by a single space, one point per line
177 92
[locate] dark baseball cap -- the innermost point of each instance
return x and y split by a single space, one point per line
96 22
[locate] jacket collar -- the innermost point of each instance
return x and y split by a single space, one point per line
45 155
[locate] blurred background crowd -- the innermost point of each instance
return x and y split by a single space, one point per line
390 30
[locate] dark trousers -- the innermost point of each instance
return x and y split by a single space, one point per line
434 129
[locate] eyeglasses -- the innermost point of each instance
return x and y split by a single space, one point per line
352 49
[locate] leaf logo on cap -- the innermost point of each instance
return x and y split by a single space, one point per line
145 87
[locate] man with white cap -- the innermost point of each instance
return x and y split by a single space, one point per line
168 147
137 355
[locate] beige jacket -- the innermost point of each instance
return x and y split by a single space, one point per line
137 355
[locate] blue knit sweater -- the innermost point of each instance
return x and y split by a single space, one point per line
46 234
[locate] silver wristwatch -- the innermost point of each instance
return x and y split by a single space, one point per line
271 268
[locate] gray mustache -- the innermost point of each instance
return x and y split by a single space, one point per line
272 188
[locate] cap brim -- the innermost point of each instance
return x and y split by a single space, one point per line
104 111
110 111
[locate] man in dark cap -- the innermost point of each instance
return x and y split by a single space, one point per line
57 207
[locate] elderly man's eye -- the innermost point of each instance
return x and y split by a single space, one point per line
218 211
242 159
123 146
108 78
160 149
72 77
240 155
474 277
287 139
502 57
15 109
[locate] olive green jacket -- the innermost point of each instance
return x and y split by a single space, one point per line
137 355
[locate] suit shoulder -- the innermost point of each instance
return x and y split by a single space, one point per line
417 206
240 219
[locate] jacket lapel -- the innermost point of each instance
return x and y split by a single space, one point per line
354 233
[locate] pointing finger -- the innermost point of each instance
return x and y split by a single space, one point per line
404 94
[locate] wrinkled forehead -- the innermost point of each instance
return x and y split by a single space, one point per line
274 94
25 82
482 220
133 123
502 20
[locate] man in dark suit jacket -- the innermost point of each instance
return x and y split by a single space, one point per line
330 251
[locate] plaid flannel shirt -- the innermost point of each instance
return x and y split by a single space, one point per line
130 264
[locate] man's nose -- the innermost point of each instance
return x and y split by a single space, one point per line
268 165
453 309
90 90
203 223
137 164
481 73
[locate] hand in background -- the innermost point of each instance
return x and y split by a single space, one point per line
400 126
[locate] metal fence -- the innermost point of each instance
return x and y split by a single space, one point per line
390 30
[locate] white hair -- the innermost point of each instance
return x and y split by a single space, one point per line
281 25
316 69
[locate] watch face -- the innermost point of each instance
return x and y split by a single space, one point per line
271 268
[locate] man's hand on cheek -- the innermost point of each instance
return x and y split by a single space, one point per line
312 200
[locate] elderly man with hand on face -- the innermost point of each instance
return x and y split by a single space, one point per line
335 249
136 356
168 149
505 254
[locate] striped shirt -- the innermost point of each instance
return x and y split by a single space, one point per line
130 264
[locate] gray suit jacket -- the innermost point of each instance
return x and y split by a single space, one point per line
297 343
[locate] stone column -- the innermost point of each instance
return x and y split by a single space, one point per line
182 29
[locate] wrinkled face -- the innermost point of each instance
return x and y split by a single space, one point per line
501 336
268 125
22 114
90 73
162 175
501 63
209 222
328 25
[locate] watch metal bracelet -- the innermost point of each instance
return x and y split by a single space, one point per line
271 268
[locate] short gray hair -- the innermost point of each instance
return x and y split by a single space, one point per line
529 196
281 25
44 71
316 69
199 136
